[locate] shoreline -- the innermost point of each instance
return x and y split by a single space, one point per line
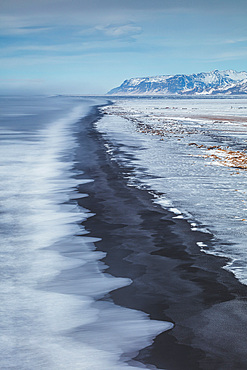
173 280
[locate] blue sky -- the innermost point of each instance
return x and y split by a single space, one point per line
91 46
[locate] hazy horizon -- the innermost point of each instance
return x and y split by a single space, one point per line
89 47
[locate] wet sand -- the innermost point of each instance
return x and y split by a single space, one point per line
172 279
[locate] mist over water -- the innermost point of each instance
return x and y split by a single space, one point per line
51 274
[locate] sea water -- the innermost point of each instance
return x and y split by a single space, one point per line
190 153
52 309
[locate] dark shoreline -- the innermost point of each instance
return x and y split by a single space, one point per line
172 279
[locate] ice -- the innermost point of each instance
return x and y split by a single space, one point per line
193 152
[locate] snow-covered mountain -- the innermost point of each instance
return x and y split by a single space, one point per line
211 83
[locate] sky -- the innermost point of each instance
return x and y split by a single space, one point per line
92 46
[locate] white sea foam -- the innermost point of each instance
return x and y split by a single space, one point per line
51 275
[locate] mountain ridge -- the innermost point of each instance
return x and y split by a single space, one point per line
228 82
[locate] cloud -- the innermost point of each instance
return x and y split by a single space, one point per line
21 80
10 25
119 31
21 16
31 54
236 40
27 7
232 55
80 6
23 30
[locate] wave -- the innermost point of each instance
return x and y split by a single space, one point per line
52 278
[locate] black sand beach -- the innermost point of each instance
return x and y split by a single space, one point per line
172 279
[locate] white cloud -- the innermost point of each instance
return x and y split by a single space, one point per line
236 40
21 80
94 6
20 26
125 30
234 54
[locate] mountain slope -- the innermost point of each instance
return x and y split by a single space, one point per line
211 83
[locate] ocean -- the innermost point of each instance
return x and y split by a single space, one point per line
59 297
52 278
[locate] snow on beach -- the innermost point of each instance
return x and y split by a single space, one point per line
192 151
